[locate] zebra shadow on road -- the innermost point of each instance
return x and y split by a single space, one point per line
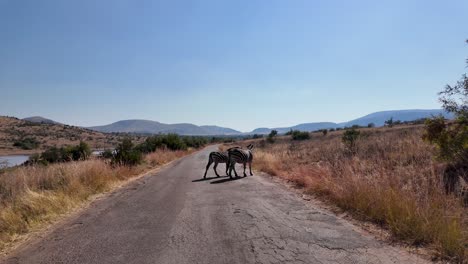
221 179
208 178
226 179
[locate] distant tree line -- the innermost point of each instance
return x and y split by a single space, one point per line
126 152
82 151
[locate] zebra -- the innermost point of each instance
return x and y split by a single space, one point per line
218 157
237 155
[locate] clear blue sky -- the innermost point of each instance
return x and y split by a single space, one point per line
240 64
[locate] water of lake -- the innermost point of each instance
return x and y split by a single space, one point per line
12 160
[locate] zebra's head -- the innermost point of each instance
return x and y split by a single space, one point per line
250 146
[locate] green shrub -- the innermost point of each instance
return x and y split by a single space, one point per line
370 125
451 140
300 135
126 154
80 152
349 139
27 143
53 155
107 154
255 136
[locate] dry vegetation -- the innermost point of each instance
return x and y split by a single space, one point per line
33 195
393 180
48 135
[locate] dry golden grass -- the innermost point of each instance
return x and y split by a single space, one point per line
393 180
34 195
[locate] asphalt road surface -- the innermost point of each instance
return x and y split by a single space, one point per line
175 217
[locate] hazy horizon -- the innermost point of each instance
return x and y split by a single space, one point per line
243 131
242 65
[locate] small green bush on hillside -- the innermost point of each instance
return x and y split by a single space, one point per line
27 143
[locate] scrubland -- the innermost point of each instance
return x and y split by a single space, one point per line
31 196
392 178
13 131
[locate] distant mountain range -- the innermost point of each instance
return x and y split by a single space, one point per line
378 118
154 127
301 127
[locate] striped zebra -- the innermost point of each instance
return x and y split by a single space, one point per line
238 155
217 157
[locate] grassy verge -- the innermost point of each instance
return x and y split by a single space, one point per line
34 195
392 180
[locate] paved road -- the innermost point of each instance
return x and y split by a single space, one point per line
173 217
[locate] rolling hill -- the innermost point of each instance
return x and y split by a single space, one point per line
40 119
379 118
47 135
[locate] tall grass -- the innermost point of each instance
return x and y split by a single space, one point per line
392 179
33 195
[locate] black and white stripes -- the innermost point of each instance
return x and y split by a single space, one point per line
243 156
217 157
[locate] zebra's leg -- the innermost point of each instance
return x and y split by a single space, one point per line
227 168
233 167
250 168
244 169
230 170
207 167
214 168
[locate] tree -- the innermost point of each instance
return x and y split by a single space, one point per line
451 139
389 122
324 132
126 154
272 135
81 152
370 125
